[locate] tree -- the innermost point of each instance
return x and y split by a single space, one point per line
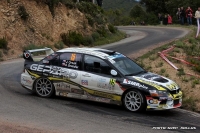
137 12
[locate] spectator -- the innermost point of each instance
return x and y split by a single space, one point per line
160 18
132 22
142 23
197 16
189 15
178 14
169 19
182 16
165 20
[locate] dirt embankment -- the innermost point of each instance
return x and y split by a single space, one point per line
40 27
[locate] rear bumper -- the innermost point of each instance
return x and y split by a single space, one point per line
27 81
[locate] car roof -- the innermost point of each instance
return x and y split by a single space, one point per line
102 53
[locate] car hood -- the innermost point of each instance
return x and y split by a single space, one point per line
157 81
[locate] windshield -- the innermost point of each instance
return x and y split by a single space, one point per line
127 67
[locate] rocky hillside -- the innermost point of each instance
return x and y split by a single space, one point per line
25 22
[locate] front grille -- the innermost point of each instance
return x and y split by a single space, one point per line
163 102
174 91
176 102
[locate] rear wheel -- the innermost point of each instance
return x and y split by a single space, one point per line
134 101
44 87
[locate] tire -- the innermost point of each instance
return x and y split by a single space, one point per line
134 101
44 87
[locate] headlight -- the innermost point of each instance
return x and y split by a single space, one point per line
157 93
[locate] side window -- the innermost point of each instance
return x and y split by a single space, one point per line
96 65
70 60
52 59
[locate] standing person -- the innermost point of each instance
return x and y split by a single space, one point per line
178 14
165 20
182 16
197 16
189 15
169 19
160 18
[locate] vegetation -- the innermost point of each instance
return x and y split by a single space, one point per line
187 49
22 12
3 43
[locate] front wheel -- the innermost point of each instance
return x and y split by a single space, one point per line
134 101
44 87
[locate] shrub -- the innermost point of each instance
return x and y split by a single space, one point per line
95 36
102 31
3 43
59 45
22 12
90 20
72 38
111 28
88 40
31 46
1 55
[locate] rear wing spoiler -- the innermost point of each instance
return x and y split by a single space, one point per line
27 54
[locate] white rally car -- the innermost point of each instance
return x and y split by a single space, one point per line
99 75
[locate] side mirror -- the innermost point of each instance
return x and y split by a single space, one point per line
113 72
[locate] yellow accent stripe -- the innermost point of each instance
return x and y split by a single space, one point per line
151 84
33 74
92 92
103 94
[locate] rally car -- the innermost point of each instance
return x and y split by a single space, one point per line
99 75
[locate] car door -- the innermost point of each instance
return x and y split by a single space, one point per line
96 75
70 66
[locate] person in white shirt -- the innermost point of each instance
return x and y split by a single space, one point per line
197 16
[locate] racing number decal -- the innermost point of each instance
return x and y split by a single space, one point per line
172 86
112 82
73 57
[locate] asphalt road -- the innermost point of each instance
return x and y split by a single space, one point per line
20 111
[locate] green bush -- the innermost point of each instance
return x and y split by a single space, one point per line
95 36
72 38
112 29
22 13
1 55
90 20
88 40
3 43
59 45
102 31
31 46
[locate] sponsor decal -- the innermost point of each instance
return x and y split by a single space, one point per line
73 57
27 54
126 81
70 64
54 70
102 94
64 94
62 86
26 81
45 61
77 91
115 56
112 82
84 82
151 83
111 61
104 85
99 99
172 86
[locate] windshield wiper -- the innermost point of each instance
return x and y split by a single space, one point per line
136 73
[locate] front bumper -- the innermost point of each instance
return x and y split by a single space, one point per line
163 103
